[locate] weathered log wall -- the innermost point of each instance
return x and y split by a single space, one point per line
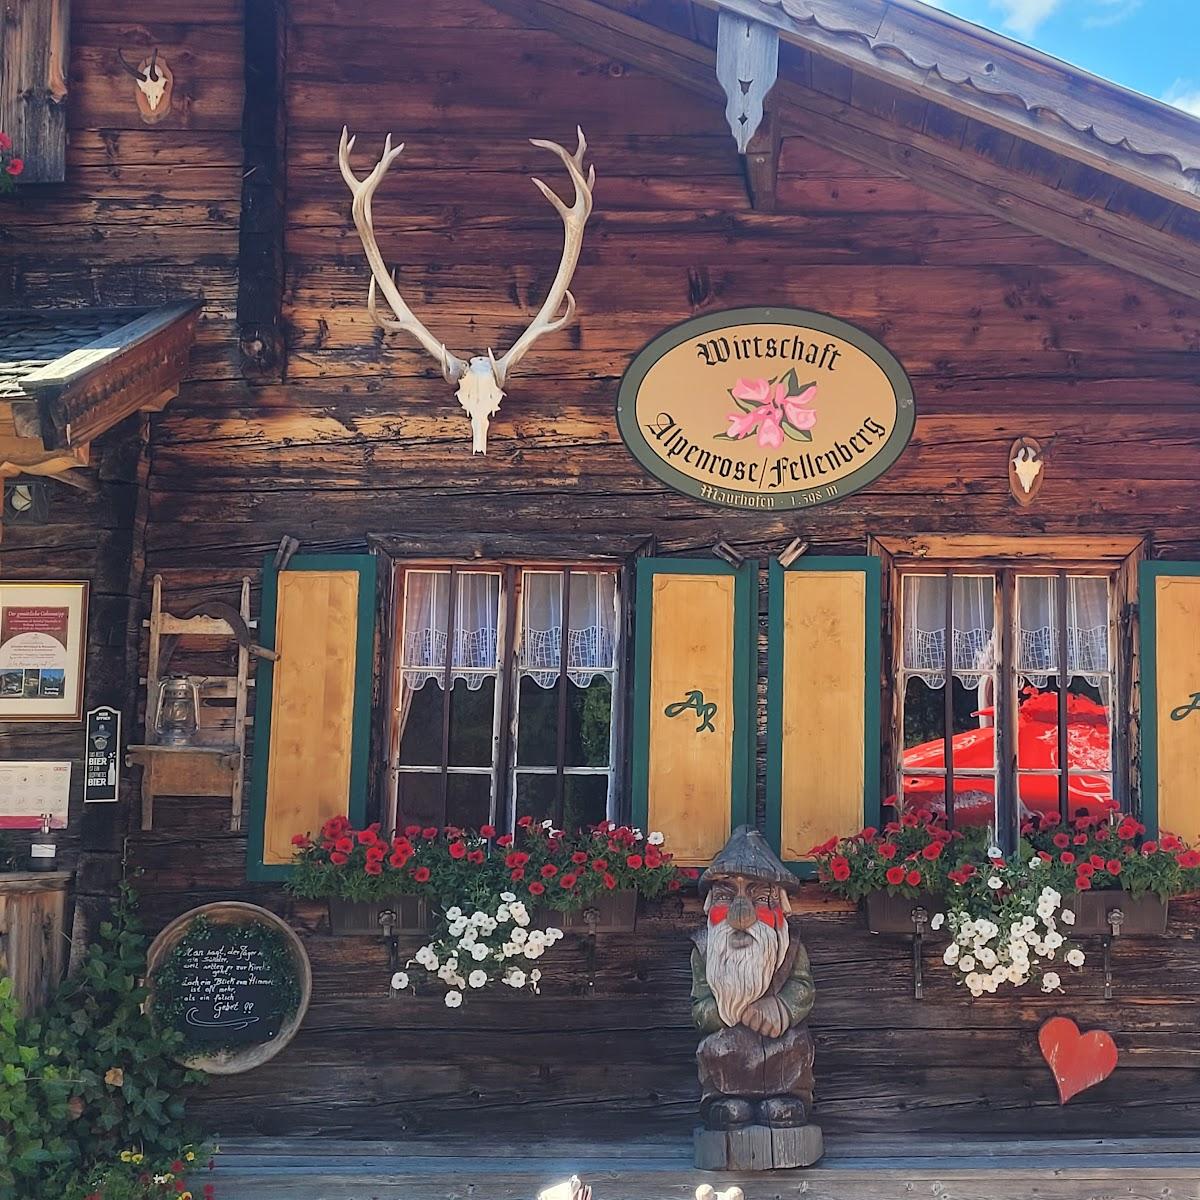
1005 333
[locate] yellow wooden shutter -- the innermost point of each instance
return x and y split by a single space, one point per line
313 707
823 732
1169 599
694 719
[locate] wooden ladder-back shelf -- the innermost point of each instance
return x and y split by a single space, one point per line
213 764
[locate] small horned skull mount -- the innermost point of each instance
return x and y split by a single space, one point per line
155 83
1026 469
480 379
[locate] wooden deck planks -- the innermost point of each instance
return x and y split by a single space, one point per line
1060 1169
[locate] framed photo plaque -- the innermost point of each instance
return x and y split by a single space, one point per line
43 640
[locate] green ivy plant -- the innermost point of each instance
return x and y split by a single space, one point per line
92 1076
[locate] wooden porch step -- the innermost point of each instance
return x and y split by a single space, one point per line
1076 1169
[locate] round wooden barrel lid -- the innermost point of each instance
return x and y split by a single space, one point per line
234 1060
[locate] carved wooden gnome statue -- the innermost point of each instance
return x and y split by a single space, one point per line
752 991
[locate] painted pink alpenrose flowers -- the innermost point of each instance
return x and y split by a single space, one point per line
774 408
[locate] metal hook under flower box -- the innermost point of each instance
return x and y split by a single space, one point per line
920 919
387 921
1116 918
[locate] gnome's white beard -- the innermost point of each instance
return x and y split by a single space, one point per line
739 975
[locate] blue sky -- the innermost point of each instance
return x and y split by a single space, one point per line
1152 46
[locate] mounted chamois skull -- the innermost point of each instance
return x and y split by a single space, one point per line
480 379
155 82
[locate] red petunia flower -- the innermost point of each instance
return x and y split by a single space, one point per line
344 844
567 882
1086 869
887 851
610 882
375 867
429 834
549 871
487 831
525 822
338 858
1097 861
1062 840
600 865
476 857
505 840
932 851
517 875
518 858
1082 883
1149 848
421 874
16 166
376 854
536 888
579 858
869 834
840 868
1113 866
633 861
411 830
913 878
399 859
895 876
458 850
1067 857
366 837
1189 859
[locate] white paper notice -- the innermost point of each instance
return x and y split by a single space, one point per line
30 789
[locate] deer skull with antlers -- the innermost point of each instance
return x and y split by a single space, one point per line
480 379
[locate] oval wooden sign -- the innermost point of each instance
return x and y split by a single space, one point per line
245 996
766 408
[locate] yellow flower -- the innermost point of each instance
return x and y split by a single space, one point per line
190 1156
185 1196
126 1155
136 1158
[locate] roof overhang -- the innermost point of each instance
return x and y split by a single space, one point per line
136 367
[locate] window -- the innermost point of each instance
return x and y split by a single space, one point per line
1005 738
497 714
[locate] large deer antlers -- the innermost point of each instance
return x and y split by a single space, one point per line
481 379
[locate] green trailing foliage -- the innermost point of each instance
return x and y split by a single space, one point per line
92 1076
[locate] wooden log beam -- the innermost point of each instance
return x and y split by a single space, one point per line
761 162
264 187
837 125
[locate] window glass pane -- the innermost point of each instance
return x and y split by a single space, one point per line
1037 629
924 720
585 798
592 620
476 620
472 721
1088 626
1089 724
419 798
421 725
468 800
589 719
537 724
1037 727
924 618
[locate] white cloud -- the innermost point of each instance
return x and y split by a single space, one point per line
1024 17
1111 12
1185 94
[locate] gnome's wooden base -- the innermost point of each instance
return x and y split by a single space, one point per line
757 1148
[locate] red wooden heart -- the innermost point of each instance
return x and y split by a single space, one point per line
1079 1060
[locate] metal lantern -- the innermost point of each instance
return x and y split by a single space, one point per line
178 705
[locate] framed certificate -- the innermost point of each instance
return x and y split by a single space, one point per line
43 639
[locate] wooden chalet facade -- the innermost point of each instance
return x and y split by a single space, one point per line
1023 238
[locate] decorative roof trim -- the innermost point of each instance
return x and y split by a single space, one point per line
88 390
999 81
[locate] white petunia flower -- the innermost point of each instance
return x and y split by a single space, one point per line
966 964
547 824
950 957
477 978
1034 863
995 883
479 952
1051 982
1067 917
453 913
453 999
519 937
515 978
1054 939
553 935
399 981
508 897
534 950
939 919
1075 957
655 839
987 958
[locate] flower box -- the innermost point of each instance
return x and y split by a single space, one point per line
891 913
1143 916
614 912
348 918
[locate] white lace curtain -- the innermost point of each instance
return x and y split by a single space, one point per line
475 620
974 652
592 617
1038 651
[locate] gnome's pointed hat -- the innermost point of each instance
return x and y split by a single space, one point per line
747 853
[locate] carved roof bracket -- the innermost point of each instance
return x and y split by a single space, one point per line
747 67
